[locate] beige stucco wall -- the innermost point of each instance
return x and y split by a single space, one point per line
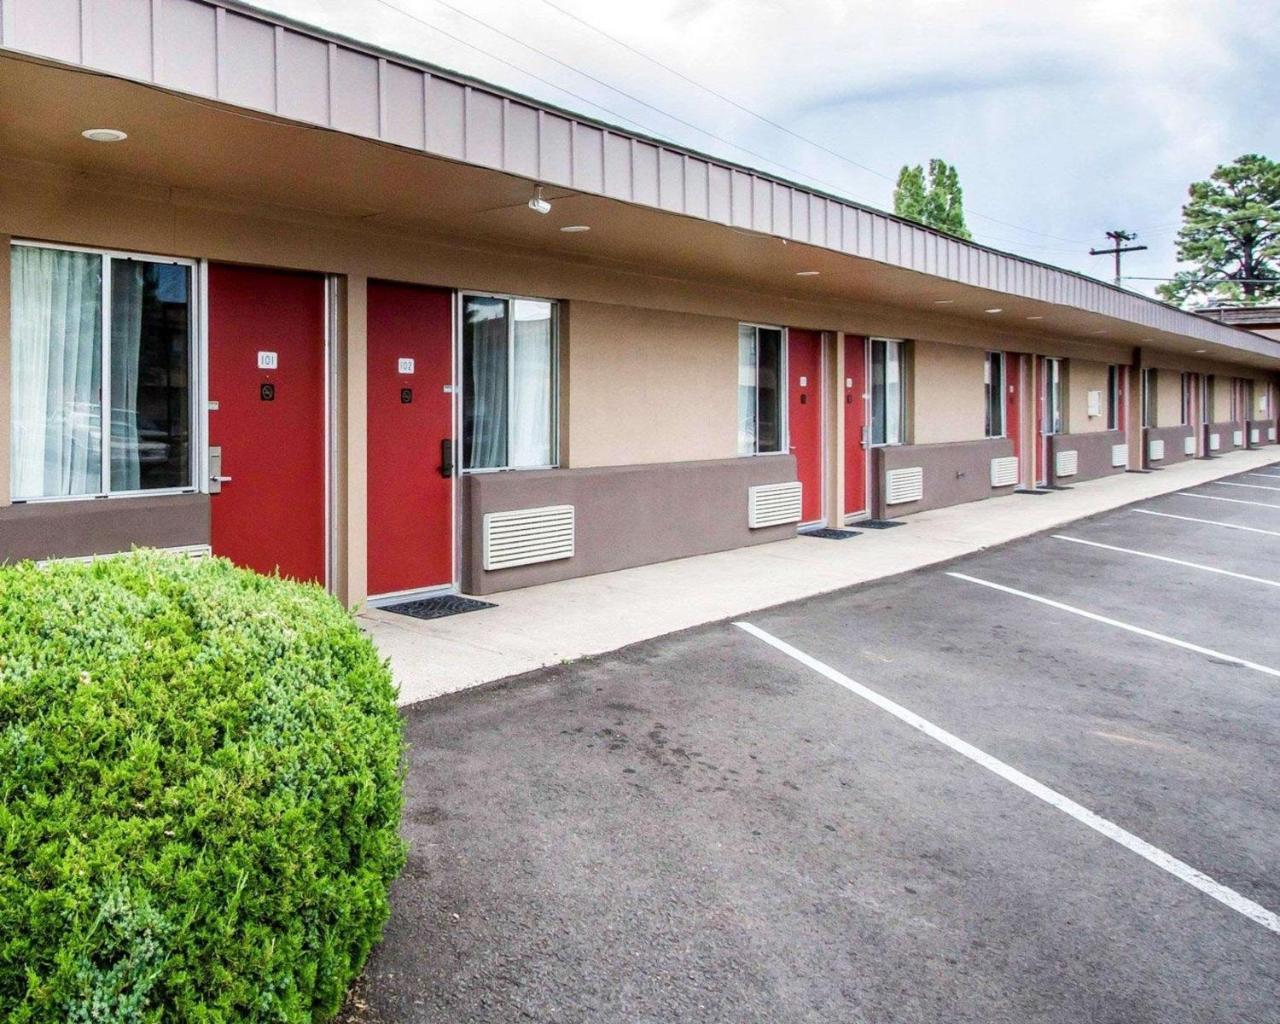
947 393
1169 398
1221 411
650 386
1083 376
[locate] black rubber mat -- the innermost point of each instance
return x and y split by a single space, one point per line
880 524
826 533
438 607
1028 490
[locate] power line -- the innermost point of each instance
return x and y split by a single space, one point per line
772 123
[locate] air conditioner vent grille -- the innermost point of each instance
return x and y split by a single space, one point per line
1155 449
528 535
1119 455
1066 463
1255 435
1004 471
1238 438
903 485
774 504
1215 442
1189 445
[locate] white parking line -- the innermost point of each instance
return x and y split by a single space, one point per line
1150 634
1172 561
1267 476
1167 862
1206 522
1256 487
1234 501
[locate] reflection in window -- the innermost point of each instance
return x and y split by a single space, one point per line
888 391
760 370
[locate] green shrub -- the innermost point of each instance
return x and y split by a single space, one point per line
200 774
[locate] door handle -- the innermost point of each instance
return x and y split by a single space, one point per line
446 457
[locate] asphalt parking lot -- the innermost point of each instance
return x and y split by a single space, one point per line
1036 784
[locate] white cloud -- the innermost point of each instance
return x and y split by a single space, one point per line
1064 119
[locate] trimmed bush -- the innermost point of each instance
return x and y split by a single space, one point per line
200 794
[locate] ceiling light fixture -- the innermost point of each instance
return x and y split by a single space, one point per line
104 134
574 229
808 273
1036 317
943 302
537 204
1201 351
994 309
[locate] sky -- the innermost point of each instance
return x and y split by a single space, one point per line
1064 119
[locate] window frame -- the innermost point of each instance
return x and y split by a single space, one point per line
992 360
1149 385
195 374
1114 415
784 390
1055 399
461 385
1187 400
900 344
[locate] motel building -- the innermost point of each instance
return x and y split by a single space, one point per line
304 316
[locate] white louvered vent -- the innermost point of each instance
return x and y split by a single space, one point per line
903 485
1255 435
1215 442
1238 438
527 535
184 551
1004 471
1119 455
774 504
1271 433
1066 463
1188 446
1155 449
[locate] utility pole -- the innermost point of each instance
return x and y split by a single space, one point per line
1119 238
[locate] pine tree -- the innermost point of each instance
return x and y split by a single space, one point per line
937 202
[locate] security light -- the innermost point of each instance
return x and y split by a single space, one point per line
104 135
537 204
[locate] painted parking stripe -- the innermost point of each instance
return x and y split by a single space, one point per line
1256 487
1172 561
1186 645
1206 522
1167 862
1268 476
1234 501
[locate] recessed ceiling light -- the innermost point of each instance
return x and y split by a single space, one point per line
995 309
943 302
573 229
104 135
1037 317
1103 331
808 273
1201 351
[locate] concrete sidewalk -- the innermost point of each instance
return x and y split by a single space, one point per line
557 622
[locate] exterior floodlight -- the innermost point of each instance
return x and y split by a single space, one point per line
537 204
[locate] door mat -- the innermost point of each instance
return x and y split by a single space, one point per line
1028 490
1057 487
438 607
826 533
880 524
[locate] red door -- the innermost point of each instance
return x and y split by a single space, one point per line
1013 404
804 367
266 419
410 499
855 425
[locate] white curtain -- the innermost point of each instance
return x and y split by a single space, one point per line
57 373
531 359
486 340
746 390
126 346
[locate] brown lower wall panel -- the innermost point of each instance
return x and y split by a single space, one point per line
1226 434
1174 439
624 515
954 473
1093 453
67 529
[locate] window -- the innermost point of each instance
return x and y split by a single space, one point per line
1186 399
888 392
760 390
1148 398
995 394
85 325
1207 387
1053 401
508 383
1114 415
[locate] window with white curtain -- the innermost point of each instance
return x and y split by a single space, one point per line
508 383
85 324
888 391
994 379
760 390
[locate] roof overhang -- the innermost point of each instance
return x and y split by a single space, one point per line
324 125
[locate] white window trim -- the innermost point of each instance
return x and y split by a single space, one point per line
459 446
195 348
901 343
784 392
